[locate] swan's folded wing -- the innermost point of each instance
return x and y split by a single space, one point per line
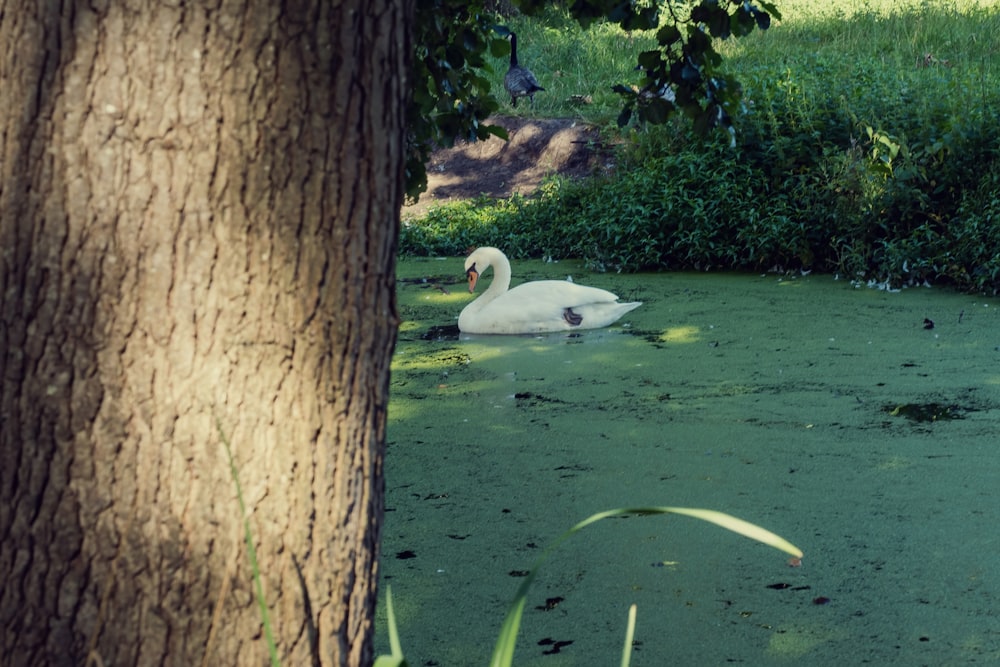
543 305
558 294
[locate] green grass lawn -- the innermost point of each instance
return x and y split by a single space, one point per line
857 42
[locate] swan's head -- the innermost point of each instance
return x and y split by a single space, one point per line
475 265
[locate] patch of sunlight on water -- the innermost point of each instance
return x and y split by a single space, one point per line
797 642
409 326
683 334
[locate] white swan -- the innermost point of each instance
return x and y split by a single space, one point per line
535 307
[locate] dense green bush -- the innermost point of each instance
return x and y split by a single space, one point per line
971 257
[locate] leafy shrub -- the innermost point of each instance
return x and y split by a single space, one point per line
972 258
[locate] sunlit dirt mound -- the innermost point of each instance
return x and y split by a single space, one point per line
536 148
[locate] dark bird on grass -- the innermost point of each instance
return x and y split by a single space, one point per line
519 81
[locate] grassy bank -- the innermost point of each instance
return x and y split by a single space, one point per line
868 148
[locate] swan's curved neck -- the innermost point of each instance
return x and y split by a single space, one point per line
500 282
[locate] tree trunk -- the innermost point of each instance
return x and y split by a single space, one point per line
198 218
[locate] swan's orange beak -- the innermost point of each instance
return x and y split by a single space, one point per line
473 276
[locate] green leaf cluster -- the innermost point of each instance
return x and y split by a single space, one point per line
450 95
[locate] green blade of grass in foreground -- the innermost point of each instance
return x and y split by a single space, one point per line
395 648
629 635
503 653
265 618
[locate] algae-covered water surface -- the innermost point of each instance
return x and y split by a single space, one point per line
859 424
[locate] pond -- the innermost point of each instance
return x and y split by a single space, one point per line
857 423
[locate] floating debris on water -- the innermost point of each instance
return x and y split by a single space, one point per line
925 412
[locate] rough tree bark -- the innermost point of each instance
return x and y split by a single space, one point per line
198 218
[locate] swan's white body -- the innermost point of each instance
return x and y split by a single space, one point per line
535 307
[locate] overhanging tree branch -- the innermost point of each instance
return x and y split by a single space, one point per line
451 99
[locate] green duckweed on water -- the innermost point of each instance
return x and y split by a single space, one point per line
794 403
